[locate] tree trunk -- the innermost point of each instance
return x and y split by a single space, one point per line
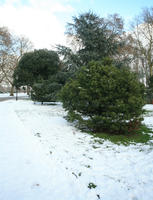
12 91
28 90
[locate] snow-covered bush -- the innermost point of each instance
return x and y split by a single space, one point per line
103 98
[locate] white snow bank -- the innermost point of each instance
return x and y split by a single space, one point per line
26 171
149 116
44 157
8 94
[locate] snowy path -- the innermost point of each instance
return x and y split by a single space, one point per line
43 157
6 96
25 169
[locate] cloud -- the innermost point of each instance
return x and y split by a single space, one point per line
35 19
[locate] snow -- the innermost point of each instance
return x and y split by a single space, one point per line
149 116
42 156
8 94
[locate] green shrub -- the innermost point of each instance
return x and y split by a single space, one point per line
104 98
45 91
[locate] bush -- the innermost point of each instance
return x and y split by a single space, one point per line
103 98
36 65
47 90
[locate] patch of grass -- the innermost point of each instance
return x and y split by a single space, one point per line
79 174
140 136
88 166
92 186
38 134
148 113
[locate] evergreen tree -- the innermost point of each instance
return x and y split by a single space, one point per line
36 65
104 98
47 90
92 38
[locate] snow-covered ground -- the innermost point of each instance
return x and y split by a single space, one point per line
43 157
18 94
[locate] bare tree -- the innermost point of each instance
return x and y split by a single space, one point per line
143 42
5 38
126 51
20 46
5 43
11 50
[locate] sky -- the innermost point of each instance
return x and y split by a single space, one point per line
43 22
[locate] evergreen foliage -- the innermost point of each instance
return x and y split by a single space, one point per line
103 98
92 38
36 65
47 90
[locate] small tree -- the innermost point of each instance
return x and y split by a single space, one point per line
36 65
47 90
104 98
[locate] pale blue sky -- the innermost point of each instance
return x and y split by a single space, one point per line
125 8
44 21
128 9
